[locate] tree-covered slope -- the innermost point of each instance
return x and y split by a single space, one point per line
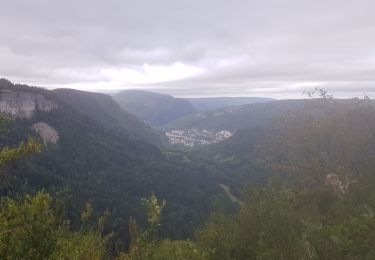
234 159
105 110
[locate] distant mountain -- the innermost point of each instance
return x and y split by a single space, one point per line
154 108
206 104
105 110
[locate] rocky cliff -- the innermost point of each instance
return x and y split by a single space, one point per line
23 104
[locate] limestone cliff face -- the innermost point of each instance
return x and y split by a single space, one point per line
23 104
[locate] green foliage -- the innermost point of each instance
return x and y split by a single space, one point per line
178 250
266 228
86 213
217 237
3 123
32 229
87 246
278 222
282 223
170 250
143 242
29 230
154 209
8 155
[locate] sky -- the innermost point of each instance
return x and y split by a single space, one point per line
191 48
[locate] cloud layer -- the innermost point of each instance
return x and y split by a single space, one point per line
191 48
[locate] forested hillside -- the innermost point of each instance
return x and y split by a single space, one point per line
234 159
88 161
105 110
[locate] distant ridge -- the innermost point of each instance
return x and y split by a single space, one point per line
154 108
206 104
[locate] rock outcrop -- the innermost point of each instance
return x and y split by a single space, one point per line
48 134
23 104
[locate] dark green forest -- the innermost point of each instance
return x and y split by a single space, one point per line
301 187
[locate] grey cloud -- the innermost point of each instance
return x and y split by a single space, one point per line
244 47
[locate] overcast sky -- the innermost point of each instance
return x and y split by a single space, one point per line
274 48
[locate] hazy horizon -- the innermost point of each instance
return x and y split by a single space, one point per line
171 92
